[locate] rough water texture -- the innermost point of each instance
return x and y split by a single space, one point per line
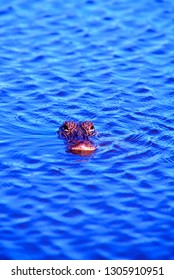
109 62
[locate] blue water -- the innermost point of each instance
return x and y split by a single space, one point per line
111 63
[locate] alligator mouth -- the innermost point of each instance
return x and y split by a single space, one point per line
82 147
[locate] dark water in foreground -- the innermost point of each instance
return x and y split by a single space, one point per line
112 63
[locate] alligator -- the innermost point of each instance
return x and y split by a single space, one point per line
77 136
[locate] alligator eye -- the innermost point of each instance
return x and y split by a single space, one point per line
65 127
92 127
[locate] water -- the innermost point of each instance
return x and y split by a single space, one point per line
111 63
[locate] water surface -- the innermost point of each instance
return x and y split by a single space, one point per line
111 63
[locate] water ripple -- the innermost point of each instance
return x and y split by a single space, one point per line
87 61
